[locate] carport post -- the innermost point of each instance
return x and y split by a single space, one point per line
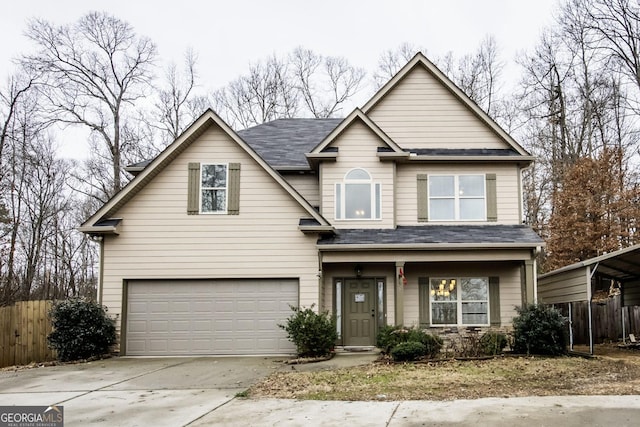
570 328
590 274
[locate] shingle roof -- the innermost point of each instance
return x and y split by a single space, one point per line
436 234
284 142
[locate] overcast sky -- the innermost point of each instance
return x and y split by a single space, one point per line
228 35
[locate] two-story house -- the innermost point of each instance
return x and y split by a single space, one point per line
408 212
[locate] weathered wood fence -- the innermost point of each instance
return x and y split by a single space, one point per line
607 320
24 327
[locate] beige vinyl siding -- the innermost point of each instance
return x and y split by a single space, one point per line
306 185
507 190
159 240
421 113
358 147
568 286
508 273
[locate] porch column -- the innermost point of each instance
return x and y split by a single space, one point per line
399 294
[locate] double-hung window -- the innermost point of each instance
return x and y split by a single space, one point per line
457 198
213 188
459 301
358 197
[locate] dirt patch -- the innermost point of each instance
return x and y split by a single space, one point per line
617 372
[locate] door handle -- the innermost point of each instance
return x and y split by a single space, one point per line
373 312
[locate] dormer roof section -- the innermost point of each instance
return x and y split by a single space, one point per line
324 150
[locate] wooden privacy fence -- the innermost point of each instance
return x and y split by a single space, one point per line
607 320
24 327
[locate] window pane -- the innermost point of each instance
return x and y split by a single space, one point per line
472 209
471 185
378 201
358 174
213 200
381 321
442 290
214 176
444 313
475 313
338 201
441 209
357 201
441 186
475 290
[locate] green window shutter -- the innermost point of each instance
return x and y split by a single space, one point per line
423 201
233 190
492 198
494 301
193 189
423 301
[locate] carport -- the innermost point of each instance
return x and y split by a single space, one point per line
578 282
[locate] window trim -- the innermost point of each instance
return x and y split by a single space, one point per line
457 198
340 197
225 188
459 301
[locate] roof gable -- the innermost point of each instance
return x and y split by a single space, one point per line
420 63
207 119
357 114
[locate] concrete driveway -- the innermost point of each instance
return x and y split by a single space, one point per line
136 391
200 391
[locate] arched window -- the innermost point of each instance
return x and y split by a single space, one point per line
358 197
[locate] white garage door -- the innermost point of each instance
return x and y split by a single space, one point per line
186 317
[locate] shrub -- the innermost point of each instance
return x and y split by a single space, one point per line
81 329
493 342
539 329
408 351
390 336
313 334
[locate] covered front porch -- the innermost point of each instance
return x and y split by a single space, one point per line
368 290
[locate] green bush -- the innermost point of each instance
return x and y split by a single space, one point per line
408 351
81 329
539 329
493 342
313 334
390 336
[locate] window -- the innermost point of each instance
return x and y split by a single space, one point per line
213 188
459 301
457 198
358 197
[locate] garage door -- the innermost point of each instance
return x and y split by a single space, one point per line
209 317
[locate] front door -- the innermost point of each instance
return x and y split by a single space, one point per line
359 312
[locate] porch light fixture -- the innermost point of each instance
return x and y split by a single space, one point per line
358 270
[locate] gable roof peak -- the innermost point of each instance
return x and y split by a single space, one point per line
420 60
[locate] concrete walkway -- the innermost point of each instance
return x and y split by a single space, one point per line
201 391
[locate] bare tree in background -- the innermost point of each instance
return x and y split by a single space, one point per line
615 27
300 84
315 75
177 104
264 94
94 69
391 60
